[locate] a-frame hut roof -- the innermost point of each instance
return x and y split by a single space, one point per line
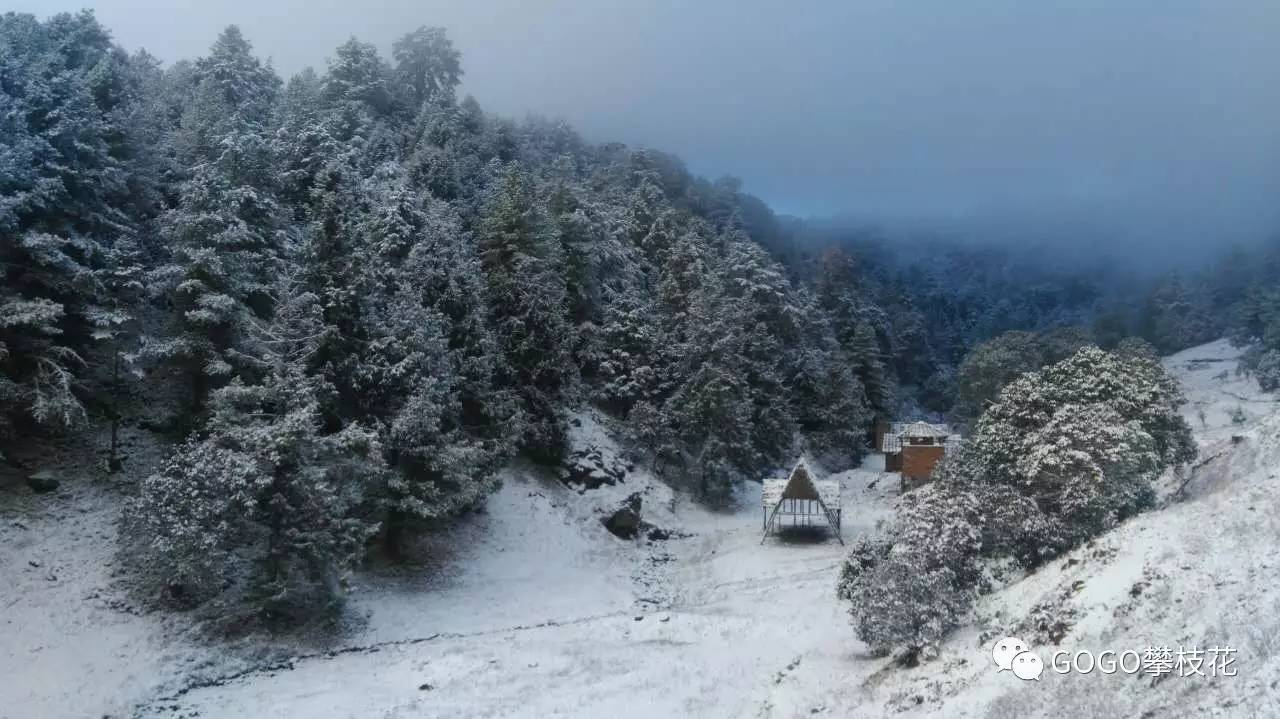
801 484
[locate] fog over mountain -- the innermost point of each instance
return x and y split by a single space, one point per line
1125 125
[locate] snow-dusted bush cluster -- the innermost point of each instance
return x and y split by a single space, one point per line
908 593
1264 365
1063 454
266 509
1257 326
991 365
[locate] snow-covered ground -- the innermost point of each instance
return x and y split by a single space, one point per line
72 642
543 613
533 609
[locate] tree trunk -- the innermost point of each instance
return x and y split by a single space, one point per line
197 392
393 535
113 455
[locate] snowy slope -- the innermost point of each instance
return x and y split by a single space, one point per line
532 609
74 644
1201 572
546 614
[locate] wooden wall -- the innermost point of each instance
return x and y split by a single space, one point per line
918 462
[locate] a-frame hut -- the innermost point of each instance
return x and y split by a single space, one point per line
803 499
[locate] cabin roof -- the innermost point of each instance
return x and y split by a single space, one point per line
924 429
801 484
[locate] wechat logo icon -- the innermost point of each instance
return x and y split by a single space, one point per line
1013 654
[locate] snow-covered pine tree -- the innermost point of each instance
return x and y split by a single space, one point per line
64 206
427 63
992 365
771 321
868 365
524 265
116 330
226 237
361 107
628 364
851 316
1177 315
267 510
333 265
449 151
828 399
427 375
713 411
303 146
599 265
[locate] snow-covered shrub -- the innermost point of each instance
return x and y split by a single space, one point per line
1062 455
905 595
1013 525
1082 440
193 513
1088 469
1136 388
1137 347
1267 370
265 512
908 608
863 557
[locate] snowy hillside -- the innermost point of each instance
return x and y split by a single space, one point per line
544 613
532 608
1201 572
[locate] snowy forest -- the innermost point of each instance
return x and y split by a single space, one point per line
344 301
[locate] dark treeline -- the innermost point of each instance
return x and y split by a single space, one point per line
944 311
359 296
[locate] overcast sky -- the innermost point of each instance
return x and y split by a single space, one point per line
1140 120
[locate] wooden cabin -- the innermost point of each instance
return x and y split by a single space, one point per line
914 450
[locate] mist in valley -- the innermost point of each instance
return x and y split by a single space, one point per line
1130 128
